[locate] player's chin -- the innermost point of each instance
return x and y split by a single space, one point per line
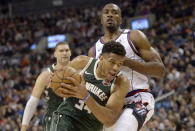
110 25
65 60
111 28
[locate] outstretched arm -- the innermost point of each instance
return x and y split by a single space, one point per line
40 84
153 64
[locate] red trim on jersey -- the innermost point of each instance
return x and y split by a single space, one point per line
132 93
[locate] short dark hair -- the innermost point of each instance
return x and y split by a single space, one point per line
114 47
61 43
119 9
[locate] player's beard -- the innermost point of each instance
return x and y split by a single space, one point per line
111 29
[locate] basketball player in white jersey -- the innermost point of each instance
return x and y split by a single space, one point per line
62 54
141 60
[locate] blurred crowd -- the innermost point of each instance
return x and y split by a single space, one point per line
172 34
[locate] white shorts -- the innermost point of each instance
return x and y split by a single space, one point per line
135 114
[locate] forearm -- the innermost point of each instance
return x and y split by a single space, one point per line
29 110
103 114
155 69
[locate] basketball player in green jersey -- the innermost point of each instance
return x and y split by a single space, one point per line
99 99
62 54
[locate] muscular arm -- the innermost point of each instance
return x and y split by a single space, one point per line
91 52
79 62
109 114
40 84
153 64
105 114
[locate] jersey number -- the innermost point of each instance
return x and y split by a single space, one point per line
81 106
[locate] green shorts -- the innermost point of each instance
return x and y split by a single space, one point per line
47 122
64 123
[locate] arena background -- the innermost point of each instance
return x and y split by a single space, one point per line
26 26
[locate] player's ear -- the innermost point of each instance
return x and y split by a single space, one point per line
102 56
55 55
101 19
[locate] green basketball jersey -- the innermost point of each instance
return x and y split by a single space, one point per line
83 119
53 100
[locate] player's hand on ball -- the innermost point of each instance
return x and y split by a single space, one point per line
59 76
76 89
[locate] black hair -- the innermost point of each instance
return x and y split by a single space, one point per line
61 43
114 5
114 47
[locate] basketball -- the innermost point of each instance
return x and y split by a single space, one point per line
59 77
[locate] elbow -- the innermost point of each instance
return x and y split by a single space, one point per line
109 123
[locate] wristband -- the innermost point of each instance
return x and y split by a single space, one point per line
86 97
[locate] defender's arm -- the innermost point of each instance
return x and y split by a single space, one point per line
153 64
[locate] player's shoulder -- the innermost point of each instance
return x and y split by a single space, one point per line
125 31
45 73
81 58
136 34
80 62
139 39
43 78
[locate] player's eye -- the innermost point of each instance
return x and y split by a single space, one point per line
114 12
120 64
111 62
106 11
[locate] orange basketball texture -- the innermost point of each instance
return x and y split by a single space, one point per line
59 77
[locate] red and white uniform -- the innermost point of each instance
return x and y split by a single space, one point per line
139 102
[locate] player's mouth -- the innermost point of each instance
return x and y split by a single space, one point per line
65 57
110 21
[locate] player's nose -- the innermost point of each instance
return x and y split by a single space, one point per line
115 67
109 15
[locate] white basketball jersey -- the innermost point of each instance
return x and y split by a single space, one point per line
137 80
